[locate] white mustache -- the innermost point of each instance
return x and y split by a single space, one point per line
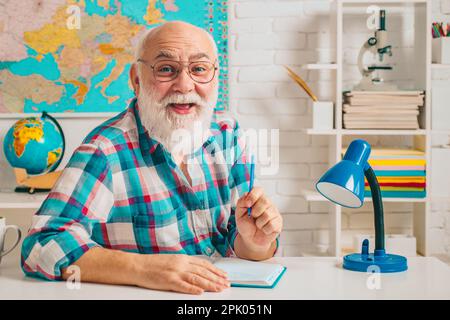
190 98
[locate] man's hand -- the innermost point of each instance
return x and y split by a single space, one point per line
173 272
259 231
180 273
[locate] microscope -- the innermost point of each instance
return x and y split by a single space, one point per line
377 44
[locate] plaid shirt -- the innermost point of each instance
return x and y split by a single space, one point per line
122 190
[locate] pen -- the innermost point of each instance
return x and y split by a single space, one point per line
301 83
252 177
437 32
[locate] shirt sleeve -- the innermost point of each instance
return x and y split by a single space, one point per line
61 230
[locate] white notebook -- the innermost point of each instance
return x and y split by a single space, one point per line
244 273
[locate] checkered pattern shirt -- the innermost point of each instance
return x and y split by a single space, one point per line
122 190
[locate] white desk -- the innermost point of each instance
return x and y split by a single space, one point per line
305 278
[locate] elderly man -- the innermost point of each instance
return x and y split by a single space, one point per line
131 193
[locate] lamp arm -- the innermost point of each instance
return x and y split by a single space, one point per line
377 207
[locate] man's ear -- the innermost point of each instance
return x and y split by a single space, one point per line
134 78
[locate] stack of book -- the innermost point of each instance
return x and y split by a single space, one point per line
382 109
401 173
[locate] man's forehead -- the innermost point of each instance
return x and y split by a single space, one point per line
179 45
176 54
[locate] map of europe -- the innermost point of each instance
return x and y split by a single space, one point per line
50 63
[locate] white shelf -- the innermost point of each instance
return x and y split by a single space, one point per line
381 1
440 66
315 196
16 200
420 132
320 66
323 132
440 132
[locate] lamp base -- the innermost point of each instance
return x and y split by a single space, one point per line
379 261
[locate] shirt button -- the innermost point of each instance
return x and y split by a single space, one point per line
208 251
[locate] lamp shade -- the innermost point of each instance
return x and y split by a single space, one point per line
344 183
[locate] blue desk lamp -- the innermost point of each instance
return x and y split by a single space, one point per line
344 184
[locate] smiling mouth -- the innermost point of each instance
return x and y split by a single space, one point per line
182 108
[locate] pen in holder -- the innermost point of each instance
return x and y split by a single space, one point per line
322 110
322 114
441 50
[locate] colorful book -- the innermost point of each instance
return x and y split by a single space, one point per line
401 179
393 152
400 184
398 162
401 173
406 173
397 168
396 188
399 194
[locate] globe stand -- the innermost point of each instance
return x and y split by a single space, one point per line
33 184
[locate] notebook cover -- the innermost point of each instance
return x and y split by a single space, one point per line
262 286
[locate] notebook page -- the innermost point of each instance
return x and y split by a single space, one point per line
239 270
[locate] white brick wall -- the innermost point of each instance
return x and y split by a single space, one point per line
265 35
268 9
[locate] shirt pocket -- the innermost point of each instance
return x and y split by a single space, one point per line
159 232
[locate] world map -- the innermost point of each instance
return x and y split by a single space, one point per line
75 56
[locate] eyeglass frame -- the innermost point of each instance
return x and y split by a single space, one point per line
182 63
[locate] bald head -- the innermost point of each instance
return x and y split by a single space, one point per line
187 34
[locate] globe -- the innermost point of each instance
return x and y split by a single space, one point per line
35 144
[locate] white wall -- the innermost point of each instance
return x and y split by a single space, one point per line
264 35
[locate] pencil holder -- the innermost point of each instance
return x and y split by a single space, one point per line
441 50
322 114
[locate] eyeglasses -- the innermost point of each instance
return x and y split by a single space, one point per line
168 70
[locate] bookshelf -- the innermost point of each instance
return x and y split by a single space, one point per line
420 11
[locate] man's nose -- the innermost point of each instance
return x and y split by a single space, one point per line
183 83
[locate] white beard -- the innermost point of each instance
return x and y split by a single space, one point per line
181 135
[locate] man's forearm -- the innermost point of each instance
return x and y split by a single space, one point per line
106 266
174 272
250 252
